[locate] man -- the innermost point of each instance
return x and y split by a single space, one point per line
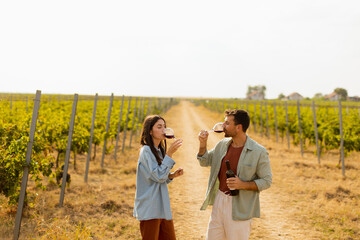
231 216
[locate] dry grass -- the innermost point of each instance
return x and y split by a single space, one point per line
99 209
306 200
317 198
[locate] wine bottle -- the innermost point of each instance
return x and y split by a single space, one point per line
230 173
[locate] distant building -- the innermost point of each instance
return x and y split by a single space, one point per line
256 95
295 97
354 99
332 97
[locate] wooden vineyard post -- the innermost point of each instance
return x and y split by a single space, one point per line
138 115
267 121
133 122
107 130
287 124
119 127
159 101
316 133
261 120
68 150
26 168
276 127
299 120
126 123
91 139
27 103
148 112
341 140
255 117
142 112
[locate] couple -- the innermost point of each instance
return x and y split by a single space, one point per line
231 216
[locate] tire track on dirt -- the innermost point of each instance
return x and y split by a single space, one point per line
273 224
187 192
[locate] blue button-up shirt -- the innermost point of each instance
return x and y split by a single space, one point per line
152 196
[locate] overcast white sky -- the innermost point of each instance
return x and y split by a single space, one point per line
180 48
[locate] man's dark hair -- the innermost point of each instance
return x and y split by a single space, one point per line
240 117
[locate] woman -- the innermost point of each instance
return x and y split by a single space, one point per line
152 203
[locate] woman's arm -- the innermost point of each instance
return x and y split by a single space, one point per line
177 173
150 167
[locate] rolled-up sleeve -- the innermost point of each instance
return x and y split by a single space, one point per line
152 170
206 159
264 172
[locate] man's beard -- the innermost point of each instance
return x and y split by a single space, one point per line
227 134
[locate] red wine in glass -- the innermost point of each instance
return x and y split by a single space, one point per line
169 133
218 128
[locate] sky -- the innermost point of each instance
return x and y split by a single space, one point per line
197 48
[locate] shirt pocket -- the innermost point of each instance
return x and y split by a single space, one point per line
247 172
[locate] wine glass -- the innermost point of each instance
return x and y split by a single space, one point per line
218 128
169 133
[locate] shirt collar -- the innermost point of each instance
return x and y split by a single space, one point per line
249 143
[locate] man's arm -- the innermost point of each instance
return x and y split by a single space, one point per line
203 136
204 157
237 183
263 172
202 151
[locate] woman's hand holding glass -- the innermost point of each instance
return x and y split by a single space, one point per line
169 133
174 147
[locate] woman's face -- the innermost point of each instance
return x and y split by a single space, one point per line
158 130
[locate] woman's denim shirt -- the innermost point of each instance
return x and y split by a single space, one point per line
152 196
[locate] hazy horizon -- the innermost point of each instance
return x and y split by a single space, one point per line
188 49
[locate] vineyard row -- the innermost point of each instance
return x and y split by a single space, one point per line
28 142
325 125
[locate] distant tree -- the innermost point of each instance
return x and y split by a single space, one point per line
342 92
259 88
281 96
318 96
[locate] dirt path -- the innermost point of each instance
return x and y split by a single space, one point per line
306 200
187 193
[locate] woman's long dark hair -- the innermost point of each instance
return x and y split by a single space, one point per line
146 138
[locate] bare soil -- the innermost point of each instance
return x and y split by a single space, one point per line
188 192
305 201
288 208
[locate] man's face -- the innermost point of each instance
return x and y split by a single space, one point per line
230 129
